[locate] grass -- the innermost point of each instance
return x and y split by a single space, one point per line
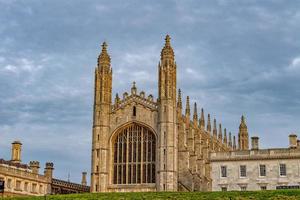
247 195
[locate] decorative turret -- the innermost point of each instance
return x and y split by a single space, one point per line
230 140
220 133
49 170
243 135
208 127
167 123
234 143
16 150
101 121
215 132
195 115
83 179
225 137
34 166
202 120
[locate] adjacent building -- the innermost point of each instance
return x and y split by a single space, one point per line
25 180
257 169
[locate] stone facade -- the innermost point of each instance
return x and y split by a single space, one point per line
25 180
144 144
257 169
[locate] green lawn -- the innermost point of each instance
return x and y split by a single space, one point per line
273 195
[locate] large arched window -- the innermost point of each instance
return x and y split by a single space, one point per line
134 155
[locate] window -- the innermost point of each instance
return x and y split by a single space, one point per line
223 171
98 137
97 168
243 188
134 155
263 187
41 189
134 111
18 185
262 170
97 153
224 189
282 169
9 183
33 188
243 171
26 186
96 188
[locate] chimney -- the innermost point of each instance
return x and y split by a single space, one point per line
83 180
254 143
49 170
293 141
34 166
16 152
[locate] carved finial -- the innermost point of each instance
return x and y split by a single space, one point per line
208 127
179 102
215 129
220 132
187 107
230 140
168 39
117 99
202 120
104 58
234 143
243 122
225 137
195 115
133 88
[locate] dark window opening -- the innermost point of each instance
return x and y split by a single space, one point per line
134 111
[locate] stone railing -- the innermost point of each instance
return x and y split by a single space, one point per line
279 153
22 173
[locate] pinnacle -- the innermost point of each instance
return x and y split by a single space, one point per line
168 39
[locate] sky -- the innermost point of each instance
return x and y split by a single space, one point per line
233 58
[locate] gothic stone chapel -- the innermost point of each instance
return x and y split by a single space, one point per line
143 144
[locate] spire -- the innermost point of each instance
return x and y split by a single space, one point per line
202 120
230 140
187 107
208 127
234 143
225 137
195 115
104 58
179 102
243 137
117 99
220 132
215 129
167 51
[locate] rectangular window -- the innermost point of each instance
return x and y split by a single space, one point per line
33 188
18 185
282 170
223 171
26 186
224 189
9 183
262 170
243 188
41 189
243 171
263 187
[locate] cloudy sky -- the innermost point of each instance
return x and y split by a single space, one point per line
233 57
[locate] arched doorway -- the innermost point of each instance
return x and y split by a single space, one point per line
134 155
